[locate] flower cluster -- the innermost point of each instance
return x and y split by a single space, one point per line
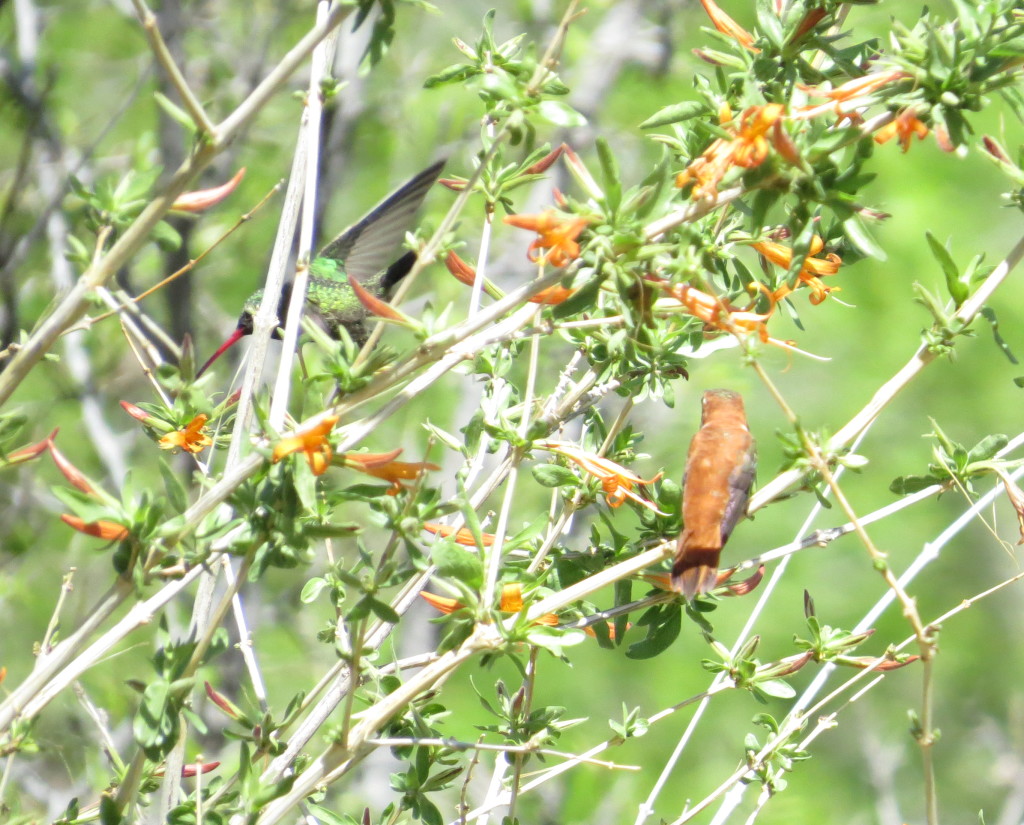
616 481
811 271
555 232
313 443
759 128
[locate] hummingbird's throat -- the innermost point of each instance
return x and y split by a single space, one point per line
232 340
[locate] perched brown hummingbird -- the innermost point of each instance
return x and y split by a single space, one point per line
719 473
361 251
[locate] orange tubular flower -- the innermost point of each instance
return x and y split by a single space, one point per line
464 273
749 148
616 481
904 126
108 530
726 25
511 602
811 272
383 465
555 232
190 437
552 295
846 99
461 536
718 313
313 442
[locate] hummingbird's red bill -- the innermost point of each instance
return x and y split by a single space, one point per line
232 340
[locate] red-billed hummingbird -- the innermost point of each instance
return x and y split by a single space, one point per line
362 251
719 473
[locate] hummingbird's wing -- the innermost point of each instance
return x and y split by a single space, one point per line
368 246
741 479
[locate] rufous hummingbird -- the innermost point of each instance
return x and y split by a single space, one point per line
361 251
719 473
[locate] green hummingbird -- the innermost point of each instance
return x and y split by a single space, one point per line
361 251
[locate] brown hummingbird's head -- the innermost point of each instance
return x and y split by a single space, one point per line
719 403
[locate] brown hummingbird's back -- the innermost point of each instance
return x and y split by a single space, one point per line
719 473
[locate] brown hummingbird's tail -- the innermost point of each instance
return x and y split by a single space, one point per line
695 571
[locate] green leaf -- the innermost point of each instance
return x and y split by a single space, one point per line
560 114
331 531
553 640
455 562
156 724
778 688
429 813
451 74
987 447
611 175
166 236
905 485
385 612
990 316
660 635
583 298
329 817
269 793
173 486
553 475
857 234
176 113
312 589
958 290
676 113
109 813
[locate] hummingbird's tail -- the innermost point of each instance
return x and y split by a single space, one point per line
695 572
398 270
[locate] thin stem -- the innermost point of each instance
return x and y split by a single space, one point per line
310 132
204 126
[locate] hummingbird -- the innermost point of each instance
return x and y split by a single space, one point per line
719 473
362 251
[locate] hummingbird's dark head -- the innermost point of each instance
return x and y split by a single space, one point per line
245 323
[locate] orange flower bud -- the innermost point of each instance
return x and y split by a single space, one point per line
374 305
461 536
75 477
203 199
107 530
462 271
545 162
137 413
726 25
30 452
